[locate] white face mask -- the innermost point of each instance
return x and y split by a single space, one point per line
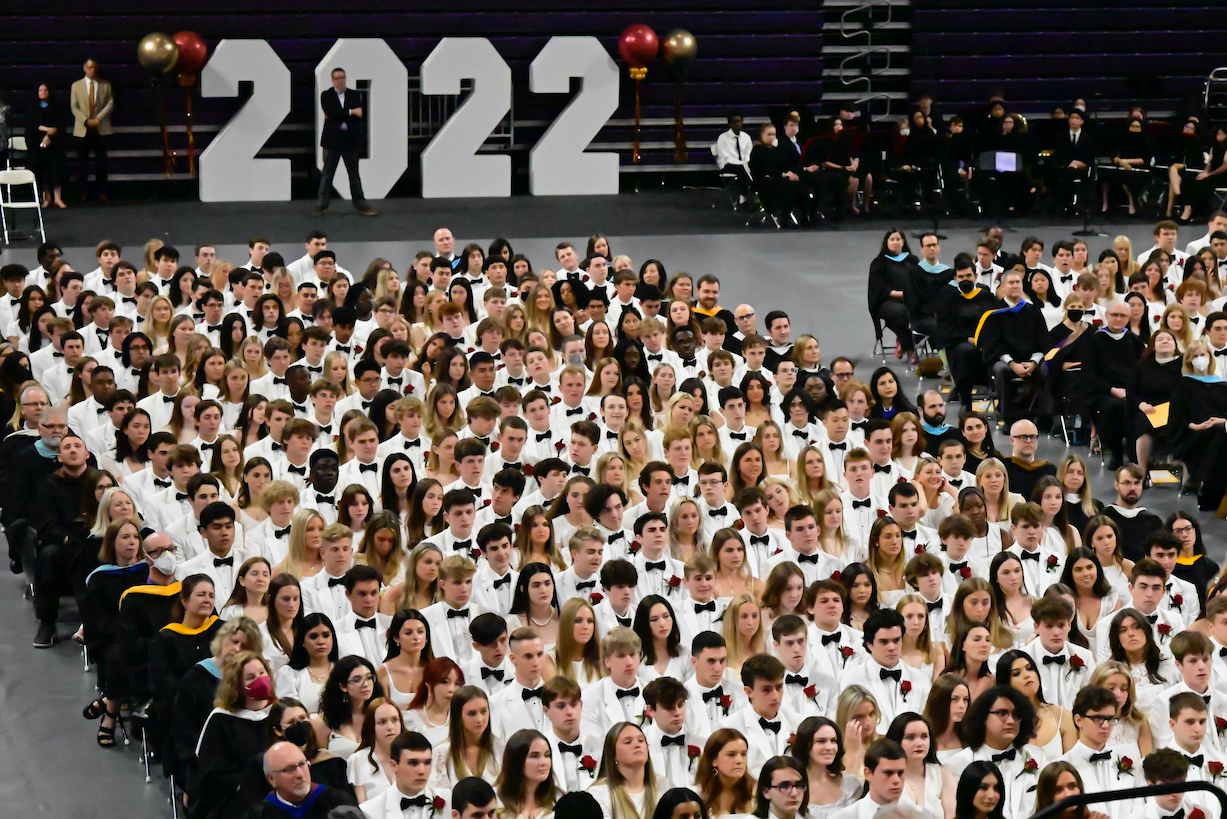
165 562
775 141
1201 363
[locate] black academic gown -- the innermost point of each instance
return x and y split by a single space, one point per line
1204 451
331 772
1133 530
227 741
959 314
1019 334
100 610
172 654
193 704
325 800
1025 475
143 611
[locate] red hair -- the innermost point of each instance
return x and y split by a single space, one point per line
434 673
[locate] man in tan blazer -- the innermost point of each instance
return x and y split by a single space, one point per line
92 104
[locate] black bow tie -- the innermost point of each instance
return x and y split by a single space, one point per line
910 535
397 380
280 533
862 504
622 693
710 605
891 674
57 355
586 584
211 446
328 499
299 407
505 580
367 404
1009 755
827 639
576 469
800 433
130 300
517 381
689 362
457 613
936 605
684 480
656 356
1067 279
418 801
416 442
737 436
326 428
360 623
168 399
759 540
136 373
297 470
1102 756
182 496
368 468
878 469
768 725
1220 353
658 566
516 465
841 447
496 673
679 741
213 328
545 436
715 694
530 693
543 387
796 679
1177 815
955 568
564 748
462 544
859 424
311 369
342 348
1058 659
623 621
335 581
618 535
161 484
1196 760
610 434
576 411
808 558
277 380
224 561
1025 555
955 482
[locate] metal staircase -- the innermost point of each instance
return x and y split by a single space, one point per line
866 49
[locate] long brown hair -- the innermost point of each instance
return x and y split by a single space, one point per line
708 780
455 731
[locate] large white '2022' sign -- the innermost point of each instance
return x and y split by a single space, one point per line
559 165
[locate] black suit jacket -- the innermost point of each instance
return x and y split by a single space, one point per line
1084 151
335 116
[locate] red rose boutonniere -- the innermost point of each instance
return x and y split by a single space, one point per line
881 513
1053 562
726 702
1124 765
692 753
1220 724
1177 601
560 446
555 401
437 804
920 548
595 598
1198 813
836 575
1215 769
846 652
1031 765
634 547
1077 663
592 416
494 445
1164 629
675 582
905 688
965 572
811 693
588 764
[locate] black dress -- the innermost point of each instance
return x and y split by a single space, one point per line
1152 383
46 162
1203 451
227 742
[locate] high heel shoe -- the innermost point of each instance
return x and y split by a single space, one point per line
94 710
106 735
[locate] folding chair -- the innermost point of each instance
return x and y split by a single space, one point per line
729 185
15 179
16 143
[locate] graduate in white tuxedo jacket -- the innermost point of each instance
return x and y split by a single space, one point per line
365 631
577 756
895 685
449 619
519 705
766 725
885 763
618 697
410 796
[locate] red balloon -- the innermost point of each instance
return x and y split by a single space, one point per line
638 45
193 53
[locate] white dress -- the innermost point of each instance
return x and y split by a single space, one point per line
679 668
1054 749
988 546
416 721
443 774
851 788
399 698
277 659
359 771
295 683
932 794
1106 606
600 792
341 745
1117 580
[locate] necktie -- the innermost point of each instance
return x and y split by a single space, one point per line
496 673
715 694
841 447
1058 659
505 580
710 605
368 468
564 748
586 584
679 741
658 566
890 674
796 679
1009 755
457 613
862 504
737 142
1025 555
1102 756
737 436
544 436
768 725
360 623
827 639
336 581
418 801
879 469
224 561
93 97
530 693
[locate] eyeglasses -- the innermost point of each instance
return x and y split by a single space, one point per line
35 403
1025 437
794 785
1182 530
1003 714
290 769
360 680
1101 720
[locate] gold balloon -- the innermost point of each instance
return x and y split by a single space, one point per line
157 52
679 49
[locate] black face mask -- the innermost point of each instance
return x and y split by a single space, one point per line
966 286
299 733
1074 315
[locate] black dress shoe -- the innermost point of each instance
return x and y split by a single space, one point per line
45 637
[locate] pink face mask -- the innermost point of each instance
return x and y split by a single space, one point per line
261 688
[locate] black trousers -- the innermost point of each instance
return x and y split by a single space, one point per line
95 142
332 157
967 368
57 573
1003 378
1110 414
894 315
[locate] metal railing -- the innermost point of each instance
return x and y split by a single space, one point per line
1058 808
428 112
851 29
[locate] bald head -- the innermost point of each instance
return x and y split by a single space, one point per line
1024 438
157 542
1118 317
286 769
744 316
444 241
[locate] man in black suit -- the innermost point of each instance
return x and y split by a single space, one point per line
1075 156
341 139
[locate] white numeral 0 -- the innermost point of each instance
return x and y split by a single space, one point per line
386 112
229 171
450 165
558 164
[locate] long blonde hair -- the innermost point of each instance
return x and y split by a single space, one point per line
1004 505
296 553
924 643
1129 712
850 700
758 642
567 651
820 503
802 485
620 805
